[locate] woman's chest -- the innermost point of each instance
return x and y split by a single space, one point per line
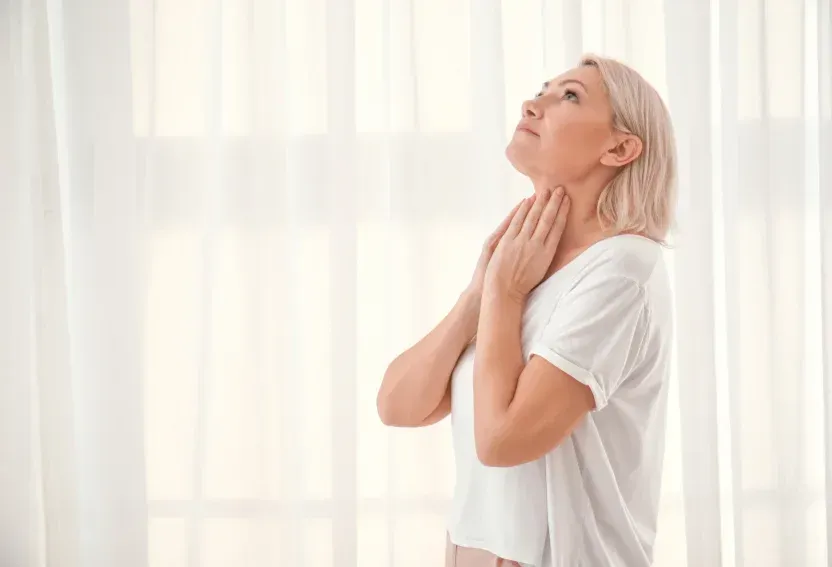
539 309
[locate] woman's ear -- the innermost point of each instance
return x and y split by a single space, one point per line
625 148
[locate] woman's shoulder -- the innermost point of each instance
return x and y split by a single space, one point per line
625 256
611 265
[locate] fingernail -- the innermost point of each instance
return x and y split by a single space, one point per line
559 191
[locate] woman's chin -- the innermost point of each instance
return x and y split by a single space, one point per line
516 160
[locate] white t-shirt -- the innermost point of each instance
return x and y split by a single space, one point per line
605 319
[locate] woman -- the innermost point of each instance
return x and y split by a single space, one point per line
559 406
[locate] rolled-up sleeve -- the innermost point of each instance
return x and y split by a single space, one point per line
595 333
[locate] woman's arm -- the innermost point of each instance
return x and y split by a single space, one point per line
416 387
521 411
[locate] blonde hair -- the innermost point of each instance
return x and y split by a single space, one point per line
642 196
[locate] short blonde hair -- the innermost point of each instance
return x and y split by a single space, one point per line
642 196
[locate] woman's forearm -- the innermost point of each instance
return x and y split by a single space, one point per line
497 365
416 382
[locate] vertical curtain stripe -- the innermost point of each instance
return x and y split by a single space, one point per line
342 220
687 38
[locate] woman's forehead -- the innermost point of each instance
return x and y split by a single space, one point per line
586 75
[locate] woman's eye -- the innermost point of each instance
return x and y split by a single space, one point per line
538 95
568 93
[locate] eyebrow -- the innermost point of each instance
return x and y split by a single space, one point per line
566 82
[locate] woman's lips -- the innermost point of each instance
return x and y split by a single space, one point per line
527 130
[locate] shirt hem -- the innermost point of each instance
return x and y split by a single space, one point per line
501 552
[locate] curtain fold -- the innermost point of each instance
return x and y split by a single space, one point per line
820 174
689 75
221 219
19 516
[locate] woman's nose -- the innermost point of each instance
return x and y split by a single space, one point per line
531 109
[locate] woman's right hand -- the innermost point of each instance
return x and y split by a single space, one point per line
475 288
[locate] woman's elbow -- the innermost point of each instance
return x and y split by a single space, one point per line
499 447
385 404
390 413
404 414
496 451
386 412
489 452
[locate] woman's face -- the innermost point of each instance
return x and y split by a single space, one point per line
565 130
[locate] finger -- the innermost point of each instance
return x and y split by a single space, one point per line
550 213
553 238
534 214
501 229
494 238
520 216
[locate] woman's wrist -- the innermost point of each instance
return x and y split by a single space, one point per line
470 300
500 293
468 311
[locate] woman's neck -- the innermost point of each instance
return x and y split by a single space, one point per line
583 229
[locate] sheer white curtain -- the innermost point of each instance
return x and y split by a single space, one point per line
220 219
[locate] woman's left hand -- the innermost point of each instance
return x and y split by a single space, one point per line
528 246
